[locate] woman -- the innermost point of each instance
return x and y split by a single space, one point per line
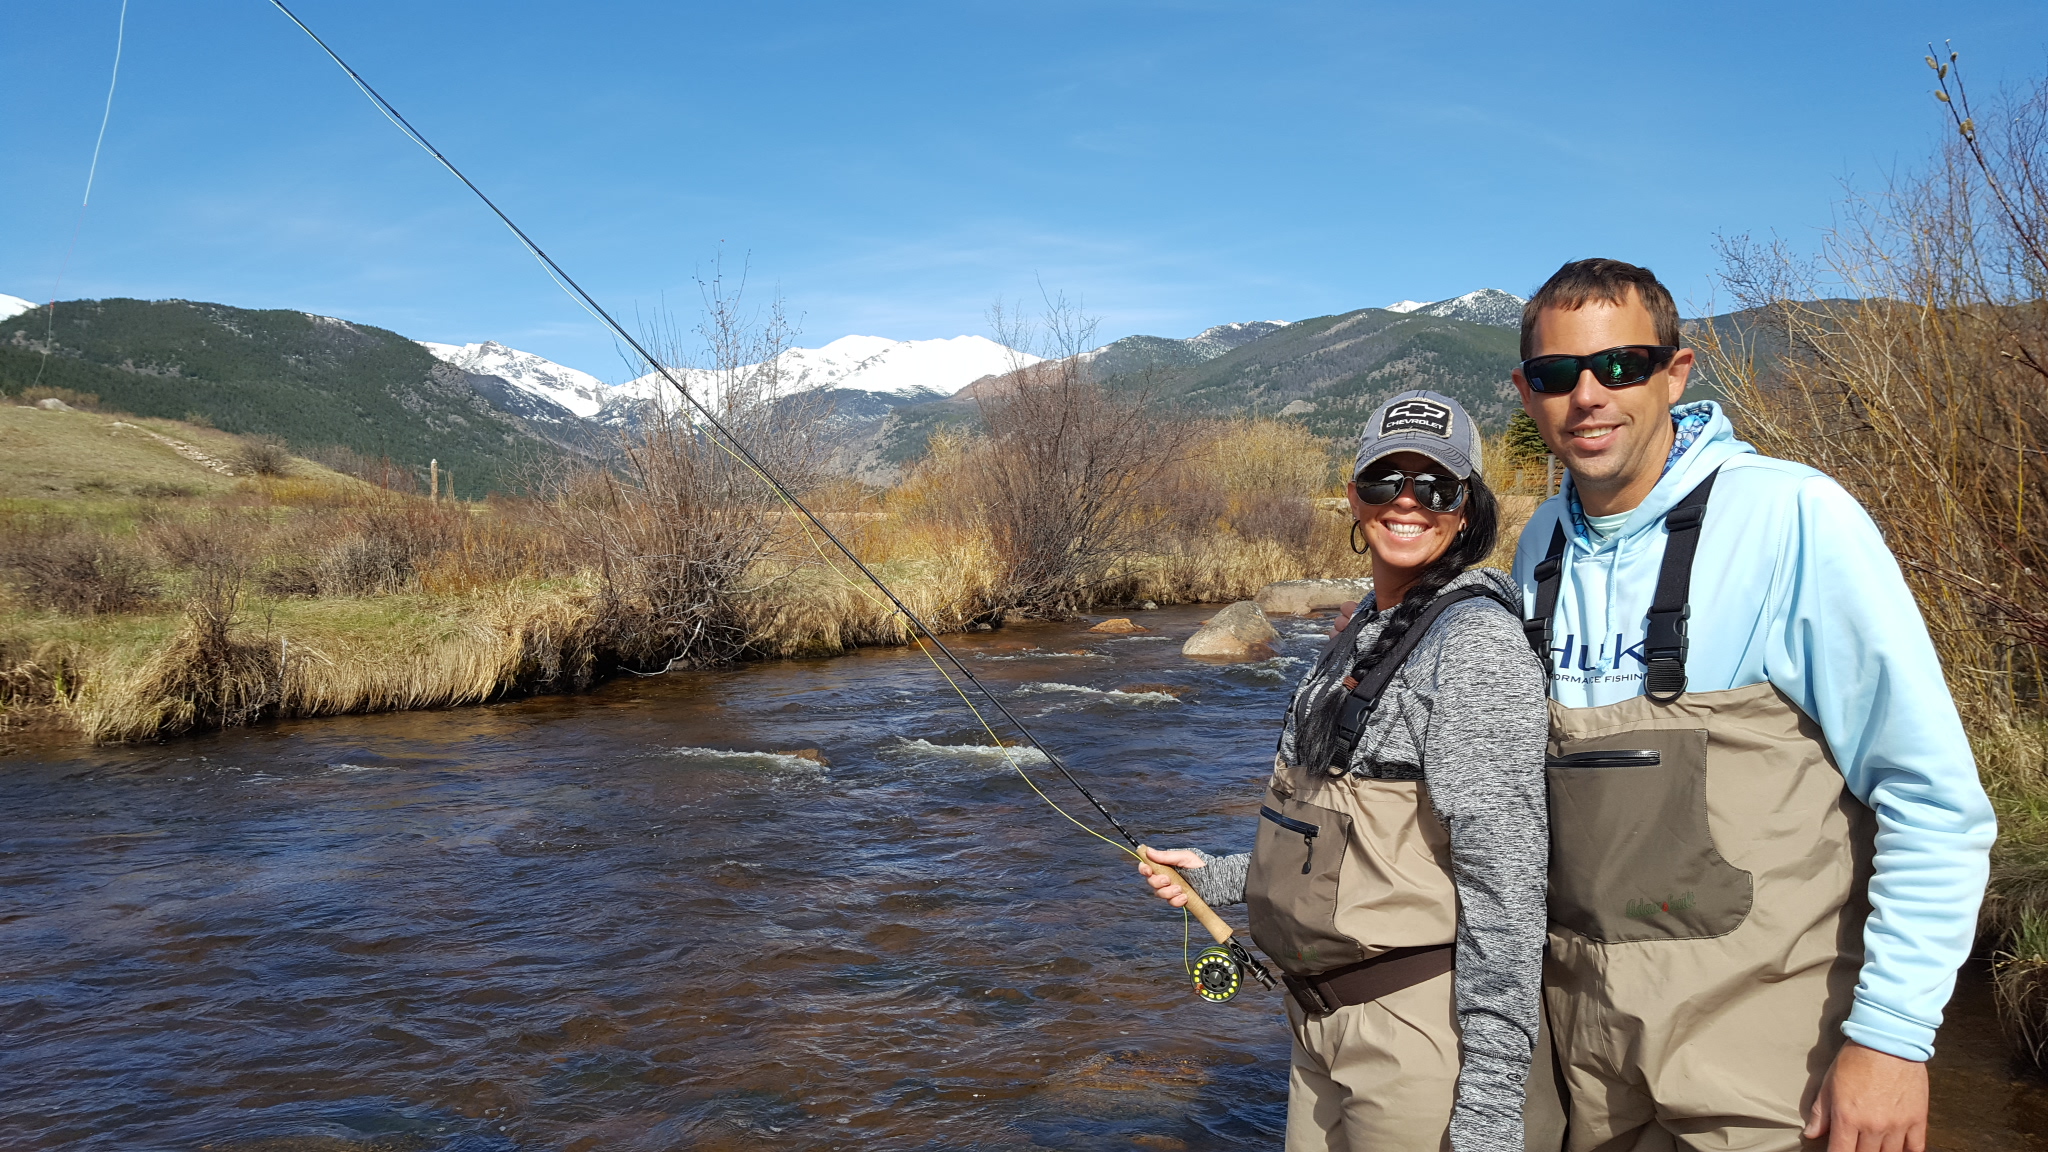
1397 877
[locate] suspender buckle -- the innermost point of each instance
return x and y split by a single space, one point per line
1664 680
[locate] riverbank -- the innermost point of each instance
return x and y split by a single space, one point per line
151 590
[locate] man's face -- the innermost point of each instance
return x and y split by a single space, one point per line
1613 439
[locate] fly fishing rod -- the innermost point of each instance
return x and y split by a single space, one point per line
1218 971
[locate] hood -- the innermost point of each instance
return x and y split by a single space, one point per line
1493 580
1714 446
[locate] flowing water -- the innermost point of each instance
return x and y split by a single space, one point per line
633 919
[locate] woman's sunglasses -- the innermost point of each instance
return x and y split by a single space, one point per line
1615 367
1436 493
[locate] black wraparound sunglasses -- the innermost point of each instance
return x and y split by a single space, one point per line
1614 367
1437 493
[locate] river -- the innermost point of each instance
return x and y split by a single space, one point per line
626 920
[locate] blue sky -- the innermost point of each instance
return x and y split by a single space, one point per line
892 169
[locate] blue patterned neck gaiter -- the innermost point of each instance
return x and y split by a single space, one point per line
1687 421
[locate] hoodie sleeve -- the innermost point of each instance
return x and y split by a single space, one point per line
1850 646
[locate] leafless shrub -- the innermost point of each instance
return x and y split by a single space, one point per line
224 539
1063 467
210 675
60 564
677 526
263 456
1926 394
370 547
379 470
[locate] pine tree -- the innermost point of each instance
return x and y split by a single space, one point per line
1524 441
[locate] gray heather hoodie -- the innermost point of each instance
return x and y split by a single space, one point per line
1467 715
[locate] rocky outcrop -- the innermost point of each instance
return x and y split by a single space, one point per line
1239 632
1301 597
1120 625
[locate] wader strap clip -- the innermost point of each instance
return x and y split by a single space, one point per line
1666 644
1549 574
1372 683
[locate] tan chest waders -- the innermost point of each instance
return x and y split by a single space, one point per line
1708 877
1350 893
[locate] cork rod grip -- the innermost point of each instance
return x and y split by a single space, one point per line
1207 915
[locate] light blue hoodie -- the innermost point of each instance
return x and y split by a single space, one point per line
1793 584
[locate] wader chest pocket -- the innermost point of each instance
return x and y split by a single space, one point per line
1301 828
1291 889
1632 855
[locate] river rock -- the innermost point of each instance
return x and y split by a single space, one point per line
1239 632
1119 624
1301 597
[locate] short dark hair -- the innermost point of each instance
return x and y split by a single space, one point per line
1582 281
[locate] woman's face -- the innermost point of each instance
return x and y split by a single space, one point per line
1403 535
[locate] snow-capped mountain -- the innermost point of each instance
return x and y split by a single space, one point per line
12 306
1486 306
579 392
911 370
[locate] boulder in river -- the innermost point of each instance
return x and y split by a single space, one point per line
1239 632
1301 597
1119 624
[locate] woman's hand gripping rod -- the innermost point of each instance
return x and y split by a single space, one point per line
1227 942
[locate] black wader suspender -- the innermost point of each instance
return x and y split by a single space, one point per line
1664 648
1358 706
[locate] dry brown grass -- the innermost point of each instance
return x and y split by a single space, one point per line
303 598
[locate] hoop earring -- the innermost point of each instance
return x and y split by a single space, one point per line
1354 540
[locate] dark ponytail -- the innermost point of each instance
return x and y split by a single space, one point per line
1316 735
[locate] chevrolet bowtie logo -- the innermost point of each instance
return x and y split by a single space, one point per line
1417 416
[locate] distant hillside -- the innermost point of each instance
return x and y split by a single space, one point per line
1329 372
312 380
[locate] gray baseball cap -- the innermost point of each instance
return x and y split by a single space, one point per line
1421 421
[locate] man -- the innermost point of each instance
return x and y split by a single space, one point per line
1768 840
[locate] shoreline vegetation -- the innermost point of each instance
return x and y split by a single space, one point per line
1909 361
148 593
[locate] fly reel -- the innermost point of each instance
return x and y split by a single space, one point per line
1218 975
1219 971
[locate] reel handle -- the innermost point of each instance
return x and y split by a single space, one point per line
1207 915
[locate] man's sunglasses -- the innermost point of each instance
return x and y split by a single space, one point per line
1615 367
1436 493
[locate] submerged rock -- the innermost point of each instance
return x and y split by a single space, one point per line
1239 632
1301 597
1119 624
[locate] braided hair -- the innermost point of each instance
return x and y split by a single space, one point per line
1316 734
